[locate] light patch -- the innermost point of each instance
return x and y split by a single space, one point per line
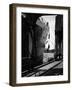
50 19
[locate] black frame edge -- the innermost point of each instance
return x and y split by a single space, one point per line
12 80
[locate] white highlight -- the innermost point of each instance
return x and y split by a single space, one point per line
51 23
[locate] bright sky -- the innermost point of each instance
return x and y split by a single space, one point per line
51 29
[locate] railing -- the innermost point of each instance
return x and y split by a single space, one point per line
41 69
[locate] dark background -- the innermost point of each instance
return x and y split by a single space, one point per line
32 49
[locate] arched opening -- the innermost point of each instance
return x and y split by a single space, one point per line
42 40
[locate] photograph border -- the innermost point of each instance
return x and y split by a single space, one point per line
12 44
